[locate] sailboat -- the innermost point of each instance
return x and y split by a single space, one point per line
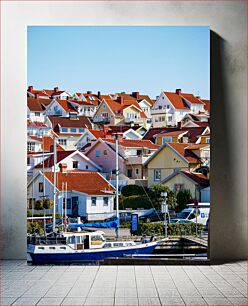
81 246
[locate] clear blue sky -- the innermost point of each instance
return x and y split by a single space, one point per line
120 58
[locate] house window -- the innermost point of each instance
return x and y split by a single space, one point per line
98 153
93 201
73 130
86 167
105 152
28 161
75 164
72 115
31 146
168 106
104 115
64 130
68 206
37 114
178 187
105 201
157 175
81 130
169 118
41 187
137 171
208 140
129 172
62 142
166 139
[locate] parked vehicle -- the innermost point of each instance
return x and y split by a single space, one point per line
152 217
180 221
191 213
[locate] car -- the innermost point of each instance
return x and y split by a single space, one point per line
152 217
180 221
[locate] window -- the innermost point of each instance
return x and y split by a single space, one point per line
81 130
169 118
72 115
166 139
31 146
104 115
86 167
40 187
68 206
75 164
93 201
62 142
37 114
137 171
179 187
208 140
105 201
28 161
64 130
73 130
105 152
157 175
98 153
129 172
168 106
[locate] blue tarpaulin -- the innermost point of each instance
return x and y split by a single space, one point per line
110 224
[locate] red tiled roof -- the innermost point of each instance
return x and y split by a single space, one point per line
206 104
172 133
200 124
184 150
82 102
49 162
66 105
48 144
91 183
79 122
133 143
176 101
97 133
38 105
36 124
191 98
197 177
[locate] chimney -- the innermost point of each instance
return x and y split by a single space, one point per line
30 89
36 95
98 94
89 92
105 130
62 167
56 89
178 91
135 95
120 99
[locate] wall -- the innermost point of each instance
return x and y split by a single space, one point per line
227 20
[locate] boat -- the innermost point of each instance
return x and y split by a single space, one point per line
84 246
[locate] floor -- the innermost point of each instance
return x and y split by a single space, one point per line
123 285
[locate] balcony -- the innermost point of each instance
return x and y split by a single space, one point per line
101 120
137 160
159 111
134 120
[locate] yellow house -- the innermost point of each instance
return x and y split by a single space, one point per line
169 158
182 180
174 136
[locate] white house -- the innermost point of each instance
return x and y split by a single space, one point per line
36 108
171 107
61 108
38 129
70 160
87 194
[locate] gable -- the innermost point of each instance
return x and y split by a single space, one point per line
103 108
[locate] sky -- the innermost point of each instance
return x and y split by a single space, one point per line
111 59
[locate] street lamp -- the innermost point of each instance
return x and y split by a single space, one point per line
164 210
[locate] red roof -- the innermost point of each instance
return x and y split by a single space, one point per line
176 101
133 143
36 124
49 162
38 105
206 104
197 177
79 122
191 98
66 105
184 150
48 144
91 183
172 133
97 133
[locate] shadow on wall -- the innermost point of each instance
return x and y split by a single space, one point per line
224 233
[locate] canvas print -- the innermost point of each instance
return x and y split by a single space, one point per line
118 143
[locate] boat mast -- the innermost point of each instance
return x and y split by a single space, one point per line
54 182
117 183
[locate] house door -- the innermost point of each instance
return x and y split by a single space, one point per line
129 172
74 201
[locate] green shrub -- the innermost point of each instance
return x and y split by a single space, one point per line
132 190
183 198
35 227
134 202
174 229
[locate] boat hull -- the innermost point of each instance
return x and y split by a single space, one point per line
89 255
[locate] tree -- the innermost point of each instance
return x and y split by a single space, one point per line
131 190
38 205
47 203
155 195
184 197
